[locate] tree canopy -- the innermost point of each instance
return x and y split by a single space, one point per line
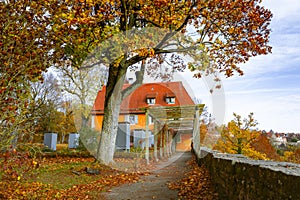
225 33
24 55
216 36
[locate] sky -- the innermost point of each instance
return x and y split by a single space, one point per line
270 87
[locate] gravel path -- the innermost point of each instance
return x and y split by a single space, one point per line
154 186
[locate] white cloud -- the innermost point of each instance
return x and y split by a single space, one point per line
282 9
277 111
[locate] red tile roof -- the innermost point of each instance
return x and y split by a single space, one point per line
138 98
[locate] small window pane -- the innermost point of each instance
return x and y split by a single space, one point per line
151 101
150 120
170 100
133 119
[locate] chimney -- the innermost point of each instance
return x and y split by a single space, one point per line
130 80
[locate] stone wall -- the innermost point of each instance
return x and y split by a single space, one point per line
237 177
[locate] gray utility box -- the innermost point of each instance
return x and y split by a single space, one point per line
139 138
50 140
73 142
151 139
123 136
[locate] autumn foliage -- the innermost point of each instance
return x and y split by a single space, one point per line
262 144
203 132
292 156
241 137
24 54
230 32
238 136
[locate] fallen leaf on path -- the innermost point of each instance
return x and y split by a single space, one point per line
195 185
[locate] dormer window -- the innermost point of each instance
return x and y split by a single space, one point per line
150 98
170 98
151 101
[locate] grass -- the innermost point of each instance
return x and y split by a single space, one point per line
60 175
52 176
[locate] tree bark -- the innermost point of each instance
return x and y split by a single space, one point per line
196 133
84 122
113 99
106 148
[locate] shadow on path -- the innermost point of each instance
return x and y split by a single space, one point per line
154 186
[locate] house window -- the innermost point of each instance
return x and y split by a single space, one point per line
170 100
150 120
133 119
151 101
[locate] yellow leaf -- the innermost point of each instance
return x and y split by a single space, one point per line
231 30
152 52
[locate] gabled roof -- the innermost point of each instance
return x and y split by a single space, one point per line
138 98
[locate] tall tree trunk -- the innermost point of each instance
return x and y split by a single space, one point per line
106 148
84 122
62 140
196 132
113 99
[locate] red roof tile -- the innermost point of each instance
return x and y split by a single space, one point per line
151 95
138 98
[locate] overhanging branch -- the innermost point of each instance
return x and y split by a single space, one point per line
137 83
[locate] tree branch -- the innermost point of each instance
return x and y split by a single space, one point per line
137 83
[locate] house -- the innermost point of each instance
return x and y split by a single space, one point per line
165 94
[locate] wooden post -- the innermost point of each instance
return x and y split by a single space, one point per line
161 143
147 138
155 139
173 145
196 133
167 143
170 142
165 132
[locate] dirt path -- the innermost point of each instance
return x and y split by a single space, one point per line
154 186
